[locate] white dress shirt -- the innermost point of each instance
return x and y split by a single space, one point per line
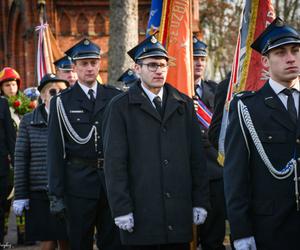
86 89
277 87
151 96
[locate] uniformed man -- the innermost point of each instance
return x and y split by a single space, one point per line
262 149
154 162
75 157
128 78
64 70
212 232
7 148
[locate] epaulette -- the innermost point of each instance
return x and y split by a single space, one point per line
245 94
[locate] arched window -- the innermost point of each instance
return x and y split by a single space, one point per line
82 24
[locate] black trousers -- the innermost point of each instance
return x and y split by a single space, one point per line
178 246
211 234
3 203
83 215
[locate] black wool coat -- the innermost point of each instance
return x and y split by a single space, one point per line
7 137
258 204
154 167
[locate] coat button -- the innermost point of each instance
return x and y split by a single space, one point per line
96 122
164 130
170 228
166 162
168 195
298 141
270 137
78 119
98 137
298 159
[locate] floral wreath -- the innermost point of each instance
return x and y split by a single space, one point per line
21 103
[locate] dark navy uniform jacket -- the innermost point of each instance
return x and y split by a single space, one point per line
258 204
63 177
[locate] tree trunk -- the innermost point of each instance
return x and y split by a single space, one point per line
123 36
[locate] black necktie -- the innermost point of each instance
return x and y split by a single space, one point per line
291 104
91 94
158 104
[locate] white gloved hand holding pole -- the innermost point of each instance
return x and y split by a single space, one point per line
20 205
125 222
247 243
199 215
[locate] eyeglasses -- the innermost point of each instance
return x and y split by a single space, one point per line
154 66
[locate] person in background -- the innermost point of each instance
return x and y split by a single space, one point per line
155 166
19 104
262 149
31 171
64 70
128 78
211 234
7 147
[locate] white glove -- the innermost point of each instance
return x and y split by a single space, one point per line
245 244
19 205
199 215
125 222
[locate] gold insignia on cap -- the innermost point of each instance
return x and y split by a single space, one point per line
86 42
194 39
130 72
52 76
153 39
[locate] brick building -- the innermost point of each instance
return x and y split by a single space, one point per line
70 20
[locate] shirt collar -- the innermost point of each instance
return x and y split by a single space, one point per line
86 89
150 95
277 87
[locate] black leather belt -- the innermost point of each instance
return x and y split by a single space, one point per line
94 163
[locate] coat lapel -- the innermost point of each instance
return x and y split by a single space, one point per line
207 95
101 99
279 112
81 97
173 102
137 96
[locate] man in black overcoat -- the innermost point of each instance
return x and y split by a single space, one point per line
155 165
212 232
75 157
7 148
262 149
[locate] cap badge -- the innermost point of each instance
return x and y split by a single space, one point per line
52 76
195 40
153 39
130 72
86 42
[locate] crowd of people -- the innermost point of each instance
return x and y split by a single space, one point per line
136 168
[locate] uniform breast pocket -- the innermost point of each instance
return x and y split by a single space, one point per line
78 118
272 136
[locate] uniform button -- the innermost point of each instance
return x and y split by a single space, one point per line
96 122
98 137
99 153
298 141
170 228
166 162
164 130
168 195
270 137
202 131
78 119
298 159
